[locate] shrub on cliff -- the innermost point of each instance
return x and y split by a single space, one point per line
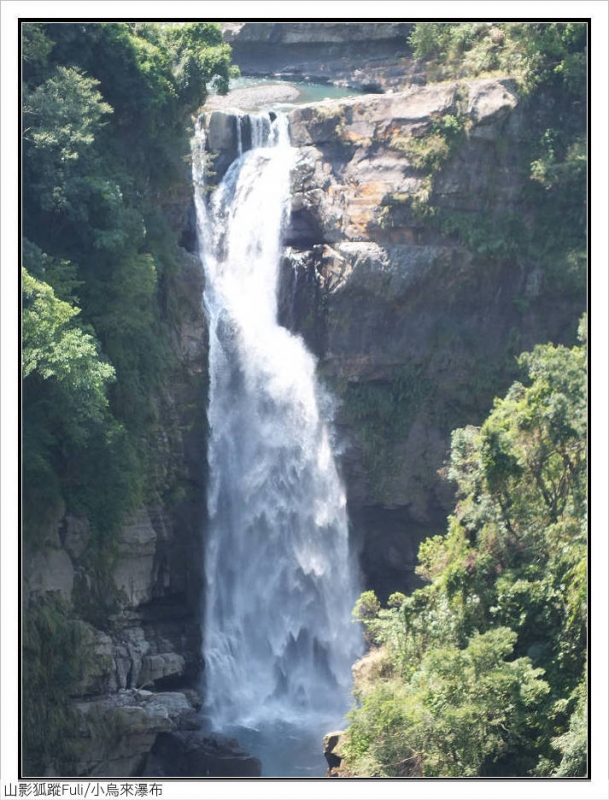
537 52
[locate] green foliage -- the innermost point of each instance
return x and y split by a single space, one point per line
61 117
382 411
484 667
35 49
552 237
59 273
106 109
427 152
153 75
75 460
549 61
499 236
57 651
539 53
460 50
65 402
367 607
432 149
558 186
461 708
366 612
200 56
105 113
63 114
551 172
573 744
55 349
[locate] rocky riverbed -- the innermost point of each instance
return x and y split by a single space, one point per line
252 98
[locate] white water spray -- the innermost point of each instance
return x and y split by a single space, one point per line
278 638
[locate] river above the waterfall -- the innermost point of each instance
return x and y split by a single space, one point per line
255 93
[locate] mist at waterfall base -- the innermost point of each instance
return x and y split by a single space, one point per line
278 640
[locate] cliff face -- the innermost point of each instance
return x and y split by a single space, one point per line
415 330
137 614
371 56
313 33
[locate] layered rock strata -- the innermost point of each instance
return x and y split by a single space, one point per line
137 613
415 331
370 56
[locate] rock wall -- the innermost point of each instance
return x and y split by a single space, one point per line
138 606
415 332
371 56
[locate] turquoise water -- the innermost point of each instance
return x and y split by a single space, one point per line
308 92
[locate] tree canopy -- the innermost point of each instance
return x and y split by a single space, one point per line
106 112
483 671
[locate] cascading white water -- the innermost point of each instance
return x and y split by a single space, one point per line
278 638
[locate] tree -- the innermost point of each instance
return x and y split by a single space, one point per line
105 129
55 349
61 117
539 53
460 708
200 56
64 389
106 115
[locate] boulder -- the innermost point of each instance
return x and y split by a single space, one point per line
491 101
159 666
100 675
49 570
115 734
221 130
199 755
75 535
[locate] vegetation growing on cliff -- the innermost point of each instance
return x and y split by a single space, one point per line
57 650
549 62
105 111
483 671
536 52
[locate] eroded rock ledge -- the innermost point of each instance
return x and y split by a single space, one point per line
371 56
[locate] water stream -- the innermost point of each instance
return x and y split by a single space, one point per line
278 638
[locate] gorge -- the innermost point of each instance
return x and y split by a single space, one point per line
403 257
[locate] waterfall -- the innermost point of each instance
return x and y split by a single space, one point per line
278 638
